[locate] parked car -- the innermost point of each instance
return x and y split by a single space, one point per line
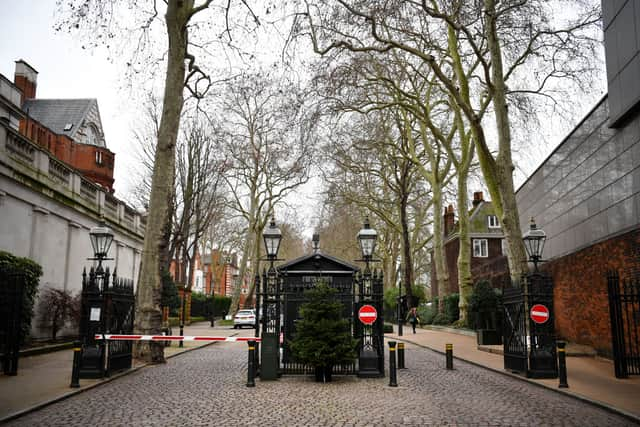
244 318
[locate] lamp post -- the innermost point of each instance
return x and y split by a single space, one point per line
371 359
93 357
101 238
213 303
270 349
272 237
534 239
400 305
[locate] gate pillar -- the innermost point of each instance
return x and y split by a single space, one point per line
270 349
528 328
371 347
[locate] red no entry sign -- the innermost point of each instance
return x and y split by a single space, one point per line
367 314
539 313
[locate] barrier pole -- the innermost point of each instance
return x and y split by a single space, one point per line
75 373
250 368
393 379
562 365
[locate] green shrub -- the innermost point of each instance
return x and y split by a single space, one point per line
10 264
441 319
201 305
484 306
427 313
387 328
391 299
451 309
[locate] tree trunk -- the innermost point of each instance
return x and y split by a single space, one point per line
465 285
148 296
442 274
504 162
406 240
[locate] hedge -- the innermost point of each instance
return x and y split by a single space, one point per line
10 264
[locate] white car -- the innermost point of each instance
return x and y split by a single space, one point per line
244 318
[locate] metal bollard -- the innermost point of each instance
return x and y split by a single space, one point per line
562 365
401 356
180 344
449 348
250 368
75 373
393 378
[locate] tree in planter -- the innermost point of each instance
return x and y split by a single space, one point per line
323 337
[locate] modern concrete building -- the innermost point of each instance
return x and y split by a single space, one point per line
586 195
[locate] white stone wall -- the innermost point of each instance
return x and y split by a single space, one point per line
48 220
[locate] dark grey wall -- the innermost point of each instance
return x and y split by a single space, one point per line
589 188
621 21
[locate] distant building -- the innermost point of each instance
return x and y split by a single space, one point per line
487 241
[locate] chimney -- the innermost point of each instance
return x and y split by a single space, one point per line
26 79
477 198
449 220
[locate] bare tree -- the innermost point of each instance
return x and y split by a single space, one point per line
268 131
102 20
517 41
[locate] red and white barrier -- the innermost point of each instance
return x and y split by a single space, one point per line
114 337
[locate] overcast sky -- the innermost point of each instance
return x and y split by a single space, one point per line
68 71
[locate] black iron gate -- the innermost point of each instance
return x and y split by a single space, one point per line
371 350
107 308
293 298
11 294
529 346
624 308
515 331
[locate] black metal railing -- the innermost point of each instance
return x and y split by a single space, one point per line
11 296
624 309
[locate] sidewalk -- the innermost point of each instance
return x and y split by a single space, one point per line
589 378
45 378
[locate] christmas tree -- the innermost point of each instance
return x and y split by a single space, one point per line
323 336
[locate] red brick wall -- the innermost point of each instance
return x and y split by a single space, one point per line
580 288
79 156
84 159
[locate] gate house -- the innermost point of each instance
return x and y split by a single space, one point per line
304 273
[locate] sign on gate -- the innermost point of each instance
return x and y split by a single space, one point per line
539 313
367 314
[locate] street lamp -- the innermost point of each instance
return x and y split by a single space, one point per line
272 237
101 238
271 307
534 239
367 240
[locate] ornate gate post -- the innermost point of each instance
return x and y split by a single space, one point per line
371 352
270 360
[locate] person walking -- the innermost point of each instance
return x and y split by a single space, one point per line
413 318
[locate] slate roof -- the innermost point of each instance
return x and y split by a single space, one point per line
56 114
319 255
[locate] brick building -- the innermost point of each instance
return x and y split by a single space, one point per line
70 129
486 241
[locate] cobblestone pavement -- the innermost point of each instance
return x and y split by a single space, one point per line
207 387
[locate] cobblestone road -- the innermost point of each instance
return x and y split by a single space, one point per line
207 387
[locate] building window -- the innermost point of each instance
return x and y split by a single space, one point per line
493 221
480 248
98 157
